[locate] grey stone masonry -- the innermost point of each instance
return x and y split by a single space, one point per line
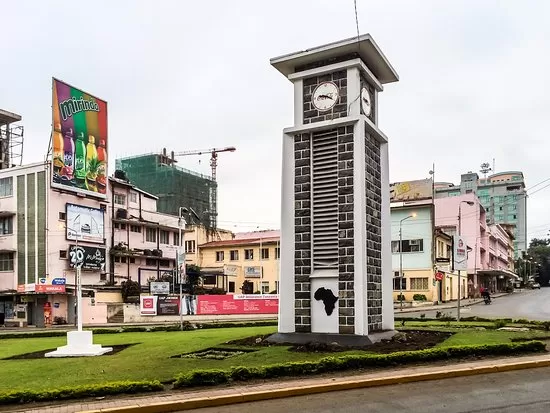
339 110
302 242
365 83
374 232
346 271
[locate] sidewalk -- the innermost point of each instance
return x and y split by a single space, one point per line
445 306
195 398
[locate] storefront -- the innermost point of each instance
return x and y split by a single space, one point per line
497 280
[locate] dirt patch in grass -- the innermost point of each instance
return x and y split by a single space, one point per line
41 354
402 341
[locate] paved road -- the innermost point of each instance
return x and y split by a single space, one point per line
513 392
529 304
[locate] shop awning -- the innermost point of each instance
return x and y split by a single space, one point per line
499 273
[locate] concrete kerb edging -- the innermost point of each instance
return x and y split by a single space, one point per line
203 402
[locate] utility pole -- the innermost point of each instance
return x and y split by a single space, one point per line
180 261
459 233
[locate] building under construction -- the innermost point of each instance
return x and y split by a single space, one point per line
174 186
11 140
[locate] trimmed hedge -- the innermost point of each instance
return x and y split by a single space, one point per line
348 362
187 326
78 392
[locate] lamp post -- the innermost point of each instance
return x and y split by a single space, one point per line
471 203
180 266
401 260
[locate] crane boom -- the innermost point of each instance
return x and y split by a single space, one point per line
204 151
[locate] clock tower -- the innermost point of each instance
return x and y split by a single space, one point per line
336 280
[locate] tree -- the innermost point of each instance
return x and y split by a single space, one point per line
130 291
539 250
194 277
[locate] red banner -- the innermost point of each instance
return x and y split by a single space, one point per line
229 304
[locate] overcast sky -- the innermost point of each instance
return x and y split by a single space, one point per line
191 75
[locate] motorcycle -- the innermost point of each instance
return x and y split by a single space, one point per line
487 300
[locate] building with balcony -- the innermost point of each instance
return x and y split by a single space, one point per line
502 195
425 250
250 260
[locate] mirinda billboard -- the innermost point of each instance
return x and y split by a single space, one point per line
79 141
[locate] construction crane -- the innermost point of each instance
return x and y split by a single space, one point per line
213 156
213 164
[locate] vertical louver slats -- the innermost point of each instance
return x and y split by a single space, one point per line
325 199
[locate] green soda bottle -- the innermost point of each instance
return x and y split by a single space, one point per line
80 161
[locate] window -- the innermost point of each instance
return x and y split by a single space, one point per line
249 254
120 226
190 246
234 255
512 207
6 225
512 217
419 283
133 197
123 260
265 287
409 245
277 253
6 261
177 239
265 253
62 216
150 262
62 254
277 287
132 260
164 237
231 286
219 256
164 263
151 234
209 279
6 186
135 228
120 199
396 283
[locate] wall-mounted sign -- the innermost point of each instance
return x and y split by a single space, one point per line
168 305
148 305
159 288
49 288
411 190
90 258
85 223
230 269
59 281
253 272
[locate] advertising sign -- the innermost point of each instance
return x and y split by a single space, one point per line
253 272
460 254
168 305
148 305
411 190
85 223
228 304
230 269
79 140
90 258
159 288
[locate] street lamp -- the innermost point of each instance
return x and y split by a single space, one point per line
413 215
471 203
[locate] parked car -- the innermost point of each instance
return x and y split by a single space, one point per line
535 285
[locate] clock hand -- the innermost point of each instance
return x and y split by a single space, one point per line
326 97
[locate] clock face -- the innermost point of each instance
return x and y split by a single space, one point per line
366 103
325 96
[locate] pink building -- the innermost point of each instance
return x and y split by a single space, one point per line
490 257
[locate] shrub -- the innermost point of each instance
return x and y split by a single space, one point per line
499 324
354 361
77 392
419 297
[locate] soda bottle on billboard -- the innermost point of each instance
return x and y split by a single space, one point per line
101 173
68 156
58 155
92 164
80 161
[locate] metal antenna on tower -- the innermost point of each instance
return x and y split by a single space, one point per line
485 169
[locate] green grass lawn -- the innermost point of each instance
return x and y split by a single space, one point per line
150 358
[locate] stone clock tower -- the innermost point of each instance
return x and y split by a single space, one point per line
336 280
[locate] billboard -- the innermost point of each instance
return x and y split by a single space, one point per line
411 190
85 223
460 254
79 141
237 304
91 258
159 288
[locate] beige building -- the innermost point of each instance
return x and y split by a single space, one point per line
251 258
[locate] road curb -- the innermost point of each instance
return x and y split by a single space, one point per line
197 403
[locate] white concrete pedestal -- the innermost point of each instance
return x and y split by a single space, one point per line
79 344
